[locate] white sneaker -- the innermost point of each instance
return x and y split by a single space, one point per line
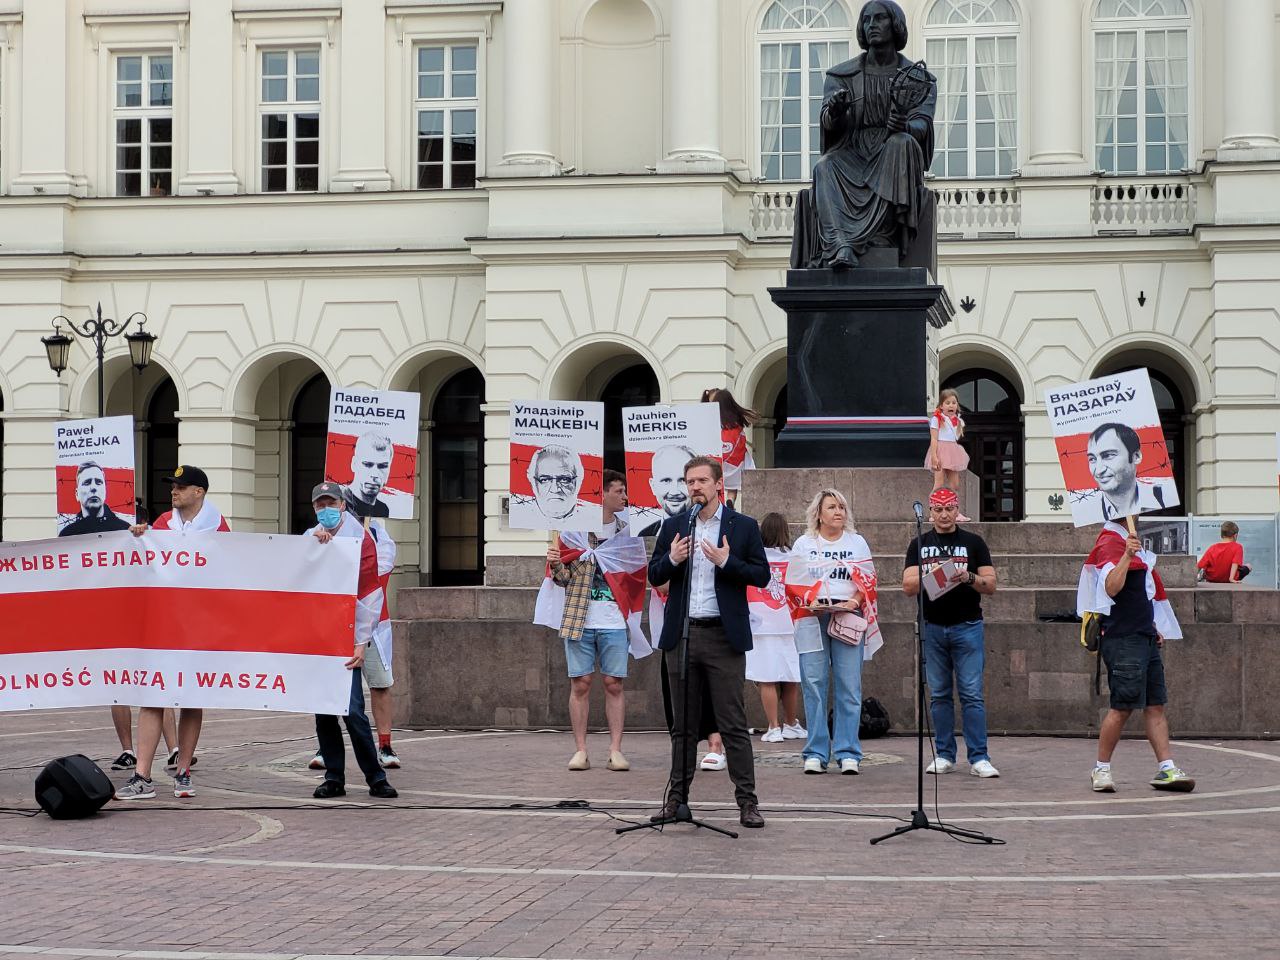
940 765
983 769
1103 781
713 761
814 765
772 735
794 731
849 765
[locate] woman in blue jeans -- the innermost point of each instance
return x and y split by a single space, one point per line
838 557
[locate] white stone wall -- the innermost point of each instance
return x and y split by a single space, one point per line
617 222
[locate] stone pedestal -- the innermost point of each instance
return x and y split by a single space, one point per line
862 366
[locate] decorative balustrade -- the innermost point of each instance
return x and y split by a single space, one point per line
1158 206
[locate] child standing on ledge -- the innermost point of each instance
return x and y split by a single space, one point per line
946 458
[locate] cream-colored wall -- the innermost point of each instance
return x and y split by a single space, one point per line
549 284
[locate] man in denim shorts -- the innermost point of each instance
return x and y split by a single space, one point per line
1131 645
594 630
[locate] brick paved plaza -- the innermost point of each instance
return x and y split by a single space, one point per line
1136 874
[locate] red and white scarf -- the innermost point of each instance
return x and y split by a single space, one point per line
767 606
803 587
1092 596
208 520
623 563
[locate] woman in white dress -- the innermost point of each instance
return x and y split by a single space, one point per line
772 661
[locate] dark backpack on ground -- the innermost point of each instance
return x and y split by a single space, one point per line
875 719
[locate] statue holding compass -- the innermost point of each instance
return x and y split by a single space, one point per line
877 143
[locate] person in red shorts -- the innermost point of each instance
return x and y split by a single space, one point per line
1224 561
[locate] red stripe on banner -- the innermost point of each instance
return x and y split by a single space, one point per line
1073 454
173 618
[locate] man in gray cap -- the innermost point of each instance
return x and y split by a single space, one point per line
334 520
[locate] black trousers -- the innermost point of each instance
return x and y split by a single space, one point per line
717 673
330 736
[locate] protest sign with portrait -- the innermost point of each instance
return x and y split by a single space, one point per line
1111 448
658 442
557 462
93 475
372 450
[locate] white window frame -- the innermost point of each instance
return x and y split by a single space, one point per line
761 37
144 114
1141 26
447 105
412 32
292 108
970 33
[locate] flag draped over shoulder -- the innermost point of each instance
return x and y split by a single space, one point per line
768 606
1091 594
805 577
622 562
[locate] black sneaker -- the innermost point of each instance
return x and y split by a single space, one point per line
383 791
330 789
126 761
172 762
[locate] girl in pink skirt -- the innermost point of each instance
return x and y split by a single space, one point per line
947 459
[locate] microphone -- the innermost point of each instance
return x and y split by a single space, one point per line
918 507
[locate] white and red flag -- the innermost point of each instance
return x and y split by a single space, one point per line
805 580
241 621
767 606
622 562
1091 595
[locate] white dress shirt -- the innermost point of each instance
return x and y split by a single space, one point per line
702 589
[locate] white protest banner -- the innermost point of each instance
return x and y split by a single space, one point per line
1111 447
373 449
557 461
658 442
93 475
233 620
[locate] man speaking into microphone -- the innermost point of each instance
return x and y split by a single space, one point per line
709 555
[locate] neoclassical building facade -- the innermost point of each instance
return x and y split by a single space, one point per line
491 200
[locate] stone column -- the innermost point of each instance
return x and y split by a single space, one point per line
1249 78
695 89
362 149
530 44
1055 145
49 73
210 49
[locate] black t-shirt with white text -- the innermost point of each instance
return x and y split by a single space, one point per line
967 551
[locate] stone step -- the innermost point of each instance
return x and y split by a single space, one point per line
874 493
892 536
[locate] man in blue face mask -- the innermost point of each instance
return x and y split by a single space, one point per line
334 521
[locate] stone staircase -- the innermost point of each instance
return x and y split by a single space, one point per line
469 656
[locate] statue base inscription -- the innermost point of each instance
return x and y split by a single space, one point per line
862 366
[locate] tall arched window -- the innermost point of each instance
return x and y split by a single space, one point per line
457 481
636 386
799 40
162 446
1141 88
972 48
993 435
310 433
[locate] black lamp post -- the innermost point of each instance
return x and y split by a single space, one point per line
58 345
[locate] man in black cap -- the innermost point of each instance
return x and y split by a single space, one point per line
192 513
91 494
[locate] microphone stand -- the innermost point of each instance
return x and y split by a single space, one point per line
920 819
682 812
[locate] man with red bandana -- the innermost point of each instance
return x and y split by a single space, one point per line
954 646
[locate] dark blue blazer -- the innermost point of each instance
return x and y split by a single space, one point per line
746 566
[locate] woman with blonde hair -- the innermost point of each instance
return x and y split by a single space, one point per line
840 565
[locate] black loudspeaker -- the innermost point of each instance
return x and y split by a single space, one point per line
72 787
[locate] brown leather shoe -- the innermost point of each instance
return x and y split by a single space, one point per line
668 811
750 816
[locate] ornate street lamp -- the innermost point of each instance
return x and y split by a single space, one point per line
98 329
